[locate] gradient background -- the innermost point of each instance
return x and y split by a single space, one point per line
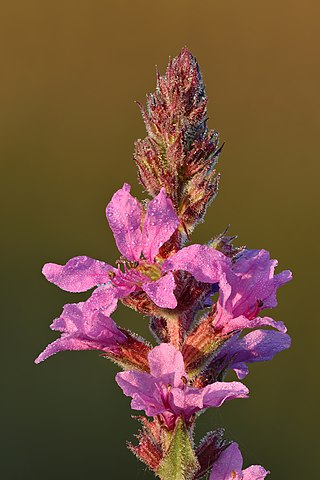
70 71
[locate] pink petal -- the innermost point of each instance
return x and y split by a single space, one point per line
82 331
166 364
255 472
78 274
205 263
186 402
283 277
229 463
124 217
160 222
60 345
254 280
142 388
161 291
104 298
217 393
239 323
278 281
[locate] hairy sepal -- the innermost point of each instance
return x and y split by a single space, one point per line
179 461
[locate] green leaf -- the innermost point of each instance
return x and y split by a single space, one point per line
180 461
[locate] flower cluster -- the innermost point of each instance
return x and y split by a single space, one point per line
201 299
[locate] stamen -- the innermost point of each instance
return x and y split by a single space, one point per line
255 311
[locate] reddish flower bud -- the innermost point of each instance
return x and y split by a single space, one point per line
179 152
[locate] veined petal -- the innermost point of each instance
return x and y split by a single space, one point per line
160 222
229 464
161 291
124 217
78 274
217 393
203 262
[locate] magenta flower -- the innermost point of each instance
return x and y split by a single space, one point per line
229 467
256 346
83 330
166 391
246 289
139 238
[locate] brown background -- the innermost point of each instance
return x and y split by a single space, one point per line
70 71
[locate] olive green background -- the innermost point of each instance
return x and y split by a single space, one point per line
70 72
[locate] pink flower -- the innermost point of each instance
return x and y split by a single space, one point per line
83 330
139 238
246 289
166 390
229 467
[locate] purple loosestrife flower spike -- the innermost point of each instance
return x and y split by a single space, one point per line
166 390
229 467
200 333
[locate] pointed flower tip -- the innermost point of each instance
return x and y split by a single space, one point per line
126 187
42 356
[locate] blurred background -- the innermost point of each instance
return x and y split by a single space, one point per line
70 72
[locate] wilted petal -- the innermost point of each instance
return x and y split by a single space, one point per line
203 262
142 388
78 274
255 472
217 393
229 464
83 332
161 291
124 217
160 222
166 364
